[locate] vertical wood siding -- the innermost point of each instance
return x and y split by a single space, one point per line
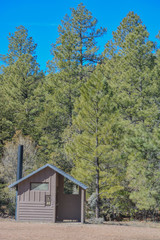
31 203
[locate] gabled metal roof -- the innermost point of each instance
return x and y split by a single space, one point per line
55 169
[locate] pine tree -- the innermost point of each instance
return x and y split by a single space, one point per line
90 139
6 119
19 44
129 64
20 78
76 45
132 66
74 57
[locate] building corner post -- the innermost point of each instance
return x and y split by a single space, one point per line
82 206
54 196
16 203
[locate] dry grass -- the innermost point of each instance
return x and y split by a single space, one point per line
12 230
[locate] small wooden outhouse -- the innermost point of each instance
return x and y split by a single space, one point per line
41 196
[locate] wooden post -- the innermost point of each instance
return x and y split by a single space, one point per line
17 205
54 197
82 205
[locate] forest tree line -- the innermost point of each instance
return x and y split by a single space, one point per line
94 115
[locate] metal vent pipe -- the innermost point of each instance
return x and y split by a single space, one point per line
20 162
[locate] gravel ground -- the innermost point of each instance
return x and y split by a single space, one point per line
12 230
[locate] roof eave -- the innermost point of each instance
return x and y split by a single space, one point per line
53 168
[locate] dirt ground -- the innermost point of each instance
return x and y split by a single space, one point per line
12 230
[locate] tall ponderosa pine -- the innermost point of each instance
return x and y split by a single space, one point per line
19 44
20 78
90 142
76 44
129 65
6 118
74 56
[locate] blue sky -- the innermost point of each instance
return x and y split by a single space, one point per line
42 18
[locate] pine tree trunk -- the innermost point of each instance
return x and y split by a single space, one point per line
97 188
70 108
81 57
97 172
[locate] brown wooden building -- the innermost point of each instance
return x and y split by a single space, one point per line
41 196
